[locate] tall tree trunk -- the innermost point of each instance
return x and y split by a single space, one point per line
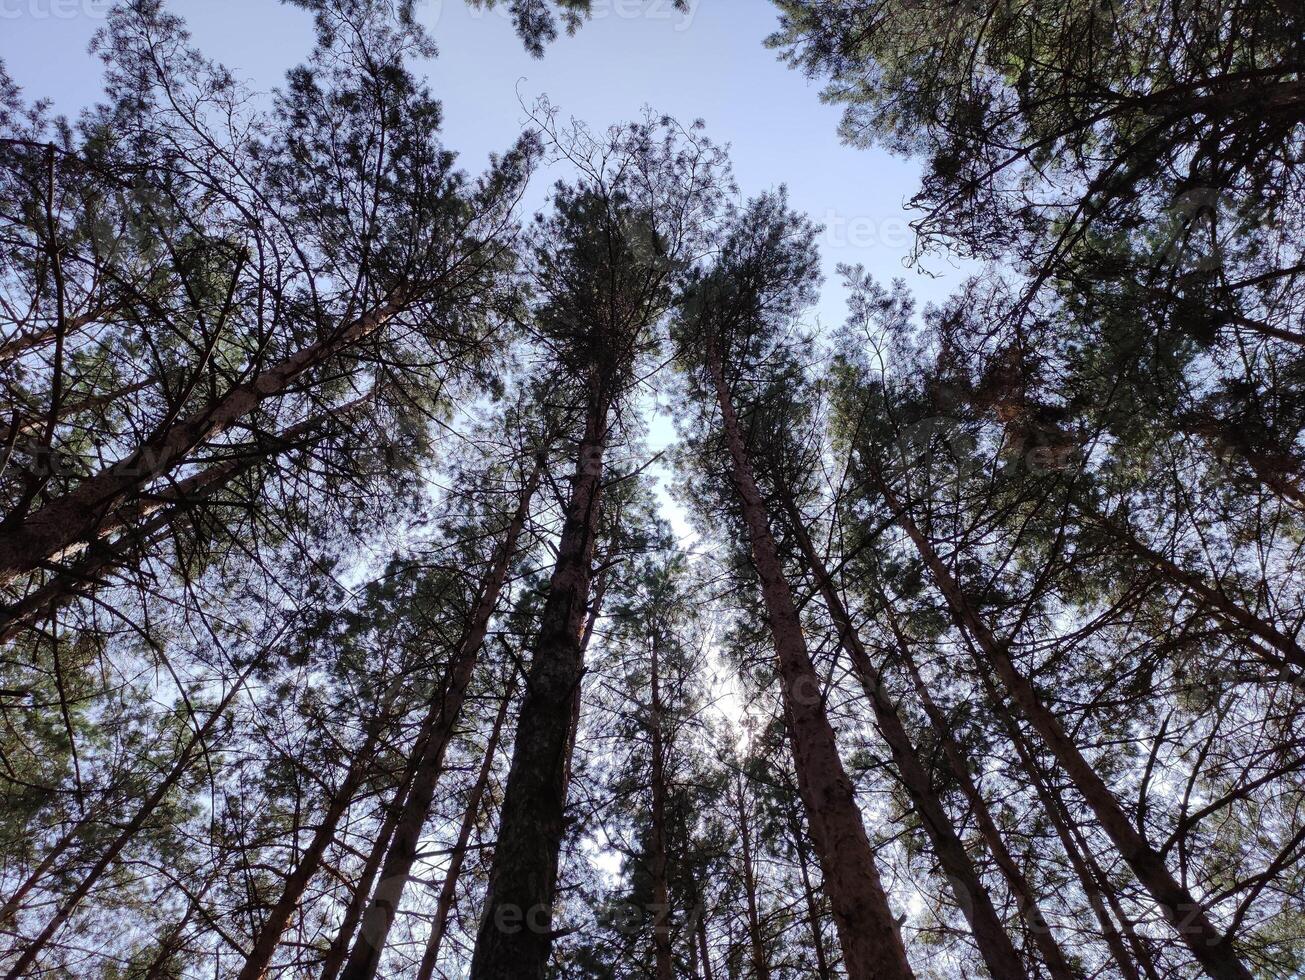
1059 818
1141 954
756 942
515 937
449 887
24 965
1208 945
269 936
1223 606
577 699
696 927
370 943
665 965
967 886
704 948
1276 473
808 890
872 946
22 343
14 902
338 952
102 554
958 763
29 425
27 540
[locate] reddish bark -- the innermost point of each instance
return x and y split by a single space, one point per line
338 952
756 943
515 937
1209 947
146 519
78 515
811 898
26 961
967 886
296 883
449 886
366 953
1057 965
1060 821
868 932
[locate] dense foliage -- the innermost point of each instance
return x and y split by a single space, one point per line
343 631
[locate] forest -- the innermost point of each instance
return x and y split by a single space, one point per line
344 631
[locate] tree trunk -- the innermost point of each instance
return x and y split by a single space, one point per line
1053 956
1208 945
665 966
577 699
23 966
1276 473
14 903
29 540
1224 607
760 963
704 947
515 937
872 946
808 890
269 936
338 952
366 953
102 555
449 887
967 886
1060 821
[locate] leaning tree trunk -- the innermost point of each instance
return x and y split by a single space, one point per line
1222 605
808 890
449 887
1210 947
704 948
1053 956
14 903
515 937
296 883
379 918
338 951
1059 817
757 944
967 886
26 962
144 520
868 932
1141 952
29 540
665 966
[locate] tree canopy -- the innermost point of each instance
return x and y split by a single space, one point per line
354 624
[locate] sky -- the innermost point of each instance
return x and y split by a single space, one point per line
710 63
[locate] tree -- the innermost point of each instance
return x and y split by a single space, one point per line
604 265
765 274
